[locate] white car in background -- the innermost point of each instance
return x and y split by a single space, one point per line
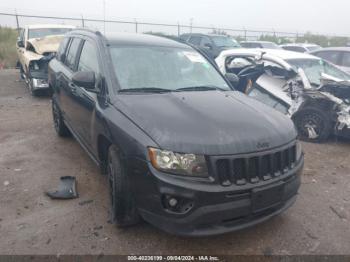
36 46
313 92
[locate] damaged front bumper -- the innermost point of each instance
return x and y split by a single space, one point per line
37 84
343 124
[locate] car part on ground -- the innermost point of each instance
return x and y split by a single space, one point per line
67 189
181 148
36 46
281 79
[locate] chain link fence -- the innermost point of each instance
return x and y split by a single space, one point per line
19 20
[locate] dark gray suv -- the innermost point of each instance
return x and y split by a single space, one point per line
210 44
180 148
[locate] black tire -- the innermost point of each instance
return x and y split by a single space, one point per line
21 72
313 125
60 127
123 209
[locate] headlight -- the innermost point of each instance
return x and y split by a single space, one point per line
179 164
299 150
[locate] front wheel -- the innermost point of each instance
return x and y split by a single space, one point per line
313 125
123 209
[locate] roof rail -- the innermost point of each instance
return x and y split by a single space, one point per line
96 32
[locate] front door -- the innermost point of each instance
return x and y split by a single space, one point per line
85 101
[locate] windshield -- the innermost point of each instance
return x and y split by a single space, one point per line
313 69
224 41
164 68
43 32
263 96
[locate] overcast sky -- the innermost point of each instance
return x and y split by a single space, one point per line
329 17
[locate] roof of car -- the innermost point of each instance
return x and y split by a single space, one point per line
38 26
201 34
343 48
301 44
256 42
142 39
282 54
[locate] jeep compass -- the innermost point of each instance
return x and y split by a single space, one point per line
180 147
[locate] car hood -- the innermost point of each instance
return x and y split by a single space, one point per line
47 44
210 122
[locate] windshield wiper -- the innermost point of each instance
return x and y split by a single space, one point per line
145 90
201 88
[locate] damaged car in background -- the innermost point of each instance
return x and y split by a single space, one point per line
313 92
36 46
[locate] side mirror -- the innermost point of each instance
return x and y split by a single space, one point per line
208 46
232 78
20 43
85 80
62 57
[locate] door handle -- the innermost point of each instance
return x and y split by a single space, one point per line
73 87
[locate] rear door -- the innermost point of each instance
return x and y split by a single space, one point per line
66 90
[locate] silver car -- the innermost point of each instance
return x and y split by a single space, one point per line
339 56
313 92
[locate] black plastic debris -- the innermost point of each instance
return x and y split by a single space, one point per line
67 189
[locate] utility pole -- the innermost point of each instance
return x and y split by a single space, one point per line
191 24
104 16
17 20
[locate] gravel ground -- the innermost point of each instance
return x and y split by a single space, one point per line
32 158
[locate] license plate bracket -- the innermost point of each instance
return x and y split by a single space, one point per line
267 197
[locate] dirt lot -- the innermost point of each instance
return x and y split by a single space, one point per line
32 158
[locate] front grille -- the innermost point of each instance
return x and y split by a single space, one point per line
254 168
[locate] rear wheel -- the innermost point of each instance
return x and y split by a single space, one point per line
313 125
60 126
123 208
21 72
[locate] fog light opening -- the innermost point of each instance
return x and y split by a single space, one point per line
176 204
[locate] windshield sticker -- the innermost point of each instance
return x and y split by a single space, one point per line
194 57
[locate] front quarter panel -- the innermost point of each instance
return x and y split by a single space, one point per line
122 132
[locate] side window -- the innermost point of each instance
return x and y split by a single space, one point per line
345 59
62 49
330 56
205 41
195 40
89 59
72 53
